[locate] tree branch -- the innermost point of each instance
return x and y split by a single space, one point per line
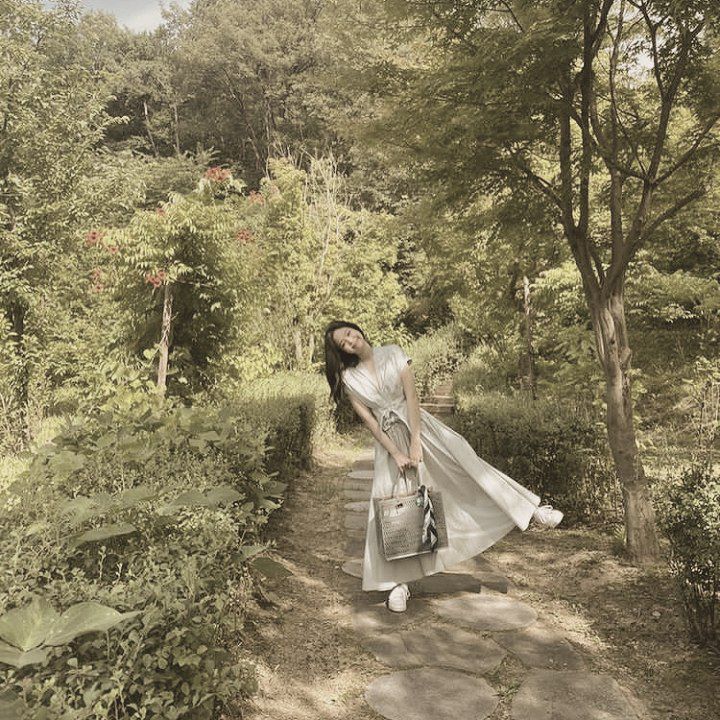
690 151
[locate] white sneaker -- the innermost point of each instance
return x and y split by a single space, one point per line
397 598
547 517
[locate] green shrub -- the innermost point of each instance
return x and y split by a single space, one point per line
559 452
688 512
486 369
295 411
148 507
435 358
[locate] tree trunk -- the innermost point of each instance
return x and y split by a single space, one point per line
176 130
147 129
311 348
608 314
165 339
529 338
297 340
16 313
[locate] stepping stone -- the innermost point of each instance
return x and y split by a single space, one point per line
485 611
361 475
364 485
355 495
358 506
431 694
364 464
542 647
366 456
571 695
355 547
476 564
441 583
355 521
373 619
493 581
353 567
356 534
439 646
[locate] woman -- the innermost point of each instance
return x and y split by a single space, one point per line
481 504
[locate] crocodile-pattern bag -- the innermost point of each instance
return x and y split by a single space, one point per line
413 523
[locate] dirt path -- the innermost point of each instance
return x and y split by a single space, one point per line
313 664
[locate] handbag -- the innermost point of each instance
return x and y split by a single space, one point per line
405 522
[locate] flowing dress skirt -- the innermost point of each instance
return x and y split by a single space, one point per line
481 504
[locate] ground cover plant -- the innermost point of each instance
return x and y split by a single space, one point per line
128 545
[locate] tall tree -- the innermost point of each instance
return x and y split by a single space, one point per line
607 109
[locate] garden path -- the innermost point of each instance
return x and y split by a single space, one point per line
471 644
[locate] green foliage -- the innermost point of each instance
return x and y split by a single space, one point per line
293 408
435 357
487 368
688 510
558 451
154 509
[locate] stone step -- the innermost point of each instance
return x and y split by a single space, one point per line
448 399
435 409
361 474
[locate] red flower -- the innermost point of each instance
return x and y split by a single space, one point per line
112 249
244 236
160 211
156 279
256 198
98 287
217 174
93 237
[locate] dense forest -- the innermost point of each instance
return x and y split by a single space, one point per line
523 195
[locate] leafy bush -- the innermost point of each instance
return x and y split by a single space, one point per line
486 369
688 511
141 507
435 358
559 452
295 410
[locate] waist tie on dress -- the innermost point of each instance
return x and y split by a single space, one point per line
394 426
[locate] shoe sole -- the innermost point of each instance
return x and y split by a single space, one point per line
395 611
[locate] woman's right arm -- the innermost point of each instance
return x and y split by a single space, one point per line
378 433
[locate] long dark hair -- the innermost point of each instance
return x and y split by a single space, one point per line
336 359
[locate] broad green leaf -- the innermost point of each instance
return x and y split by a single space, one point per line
270 568
275 487
12 707
268 504
19 659
129 498
247 551
77 505
223 495
192 498
84 618
26 627
210 436
105 440
103 533
66 462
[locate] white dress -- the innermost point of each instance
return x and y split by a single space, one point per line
481 503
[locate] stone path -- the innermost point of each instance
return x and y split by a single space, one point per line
444 652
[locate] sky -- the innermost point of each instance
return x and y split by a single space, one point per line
135 14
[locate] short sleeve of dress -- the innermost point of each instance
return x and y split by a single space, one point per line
402 359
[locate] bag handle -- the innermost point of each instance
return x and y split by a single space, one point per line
408 482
